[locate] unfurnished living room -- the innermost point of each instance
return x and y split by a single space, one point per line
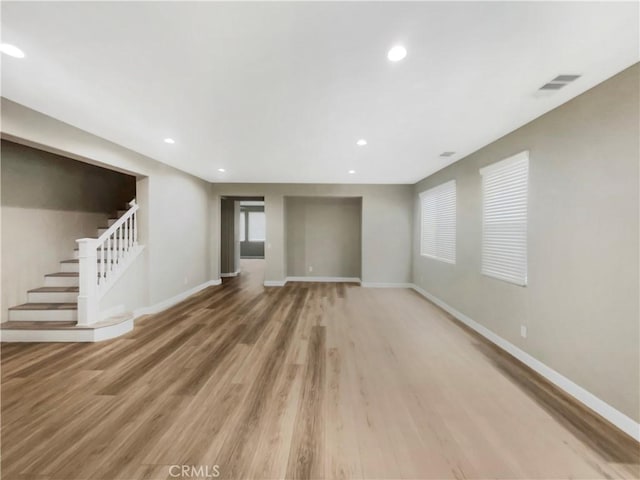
320 240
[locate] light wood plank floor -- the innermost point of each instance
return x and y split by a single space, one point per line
306 381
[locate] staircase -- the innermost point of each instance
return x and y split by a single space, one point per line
51 311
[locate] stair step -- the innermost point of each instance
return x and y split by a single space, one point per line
37 325
53 295
73 265
54 289
57 331
77 260
46 306
44 312
62 279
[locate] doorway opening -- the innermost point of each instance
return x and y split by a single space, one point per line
242 237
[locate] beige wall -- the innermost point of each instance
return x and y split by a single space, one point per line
323 234
174 218
581 303
48 202
34 241
386 226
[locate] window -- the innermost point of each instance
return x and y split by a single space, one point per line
243 230
504 219
257 227
439 222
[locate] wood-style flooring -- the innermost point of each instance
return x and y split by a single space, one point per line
305 381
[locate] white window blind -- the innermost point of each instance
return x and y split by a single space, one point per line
257 227
438 211
504 219
243 233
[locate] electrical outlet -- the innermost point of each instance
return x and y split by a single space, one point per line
311 269
186 280
523 331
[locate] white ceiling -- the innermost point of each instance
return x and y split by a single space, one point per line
281 92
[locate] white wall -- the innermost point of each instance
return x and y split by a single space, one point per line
174 206
581 305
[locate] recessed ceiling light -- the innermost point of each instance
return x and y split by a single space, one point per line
397 53
362 142
221 170
169 140
352 172
11 50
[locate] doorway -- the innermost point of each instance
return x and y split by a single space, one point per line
242 236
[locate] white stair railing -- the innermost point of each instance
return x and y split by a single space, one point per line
101 261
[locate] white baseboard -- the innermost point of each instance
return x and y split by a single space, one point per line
98 334
281 283
160 306
233 274
111 312
323 279
385 285
616 417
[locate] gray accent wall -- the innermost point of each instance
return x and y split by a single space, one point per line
33 178
580 306
323 236
229 236
386 225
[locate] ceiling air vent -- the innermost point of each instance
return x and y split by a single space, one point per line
447 154
552 86
557 83
565 78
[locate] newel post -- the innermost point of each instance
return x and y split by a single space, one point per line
88 281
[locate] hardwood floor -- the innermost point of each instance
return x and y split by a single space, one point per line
306 381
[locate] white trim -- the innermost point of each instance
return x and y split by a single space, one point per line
323 279
274 283
97 334
616 417
113 331
385 285
232 274
111 312
160 306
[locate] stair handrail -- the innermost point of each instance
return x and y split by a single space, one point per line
133 207
100 260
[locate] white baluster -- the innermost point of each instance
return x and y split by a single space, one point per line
128 231
87 298
103 276
109 254
120 243
135 228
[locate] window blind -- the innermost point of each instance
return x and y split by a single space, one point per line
504 219
243 233
438 210
257 227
